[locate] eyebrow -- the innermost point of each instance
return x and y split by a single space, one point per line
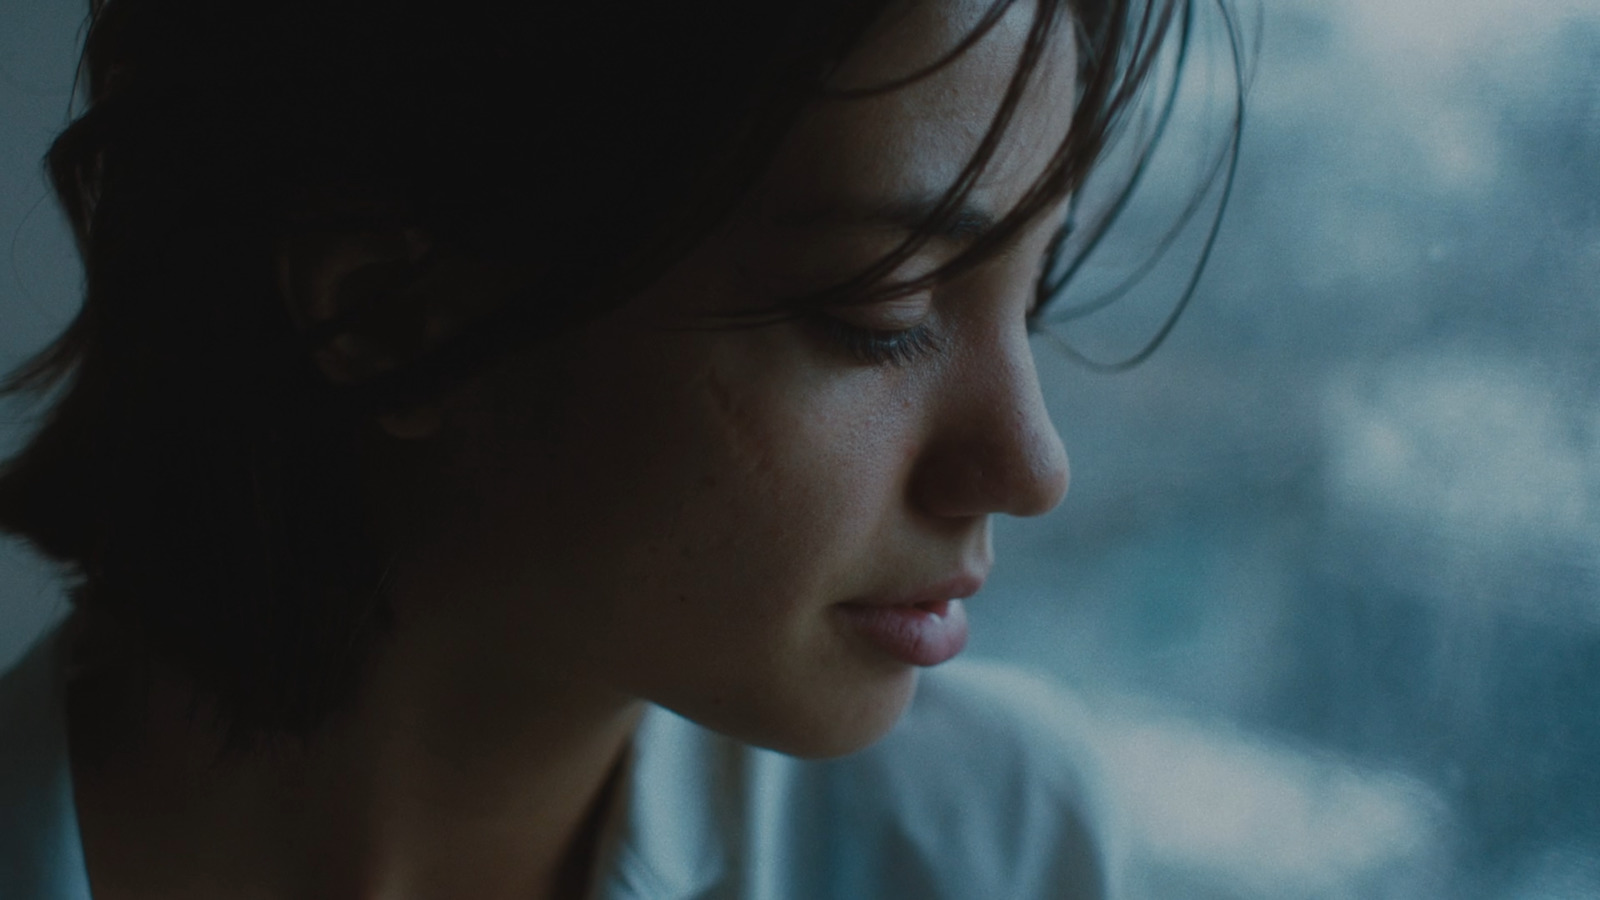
907 214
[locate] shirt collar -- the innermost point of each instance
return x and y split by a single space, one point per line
668 831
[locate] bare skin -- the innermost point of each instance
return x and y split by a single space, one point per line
675 525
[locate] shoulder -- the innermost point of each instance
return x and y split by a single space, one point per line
986 788
996 763
985 708
40 853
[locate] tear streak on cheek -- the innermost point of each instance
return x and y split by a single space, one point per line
747 442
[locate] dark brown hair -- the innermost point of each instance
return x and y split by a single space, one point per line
195 474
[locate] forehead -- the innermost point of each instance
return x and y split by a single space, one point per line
913 141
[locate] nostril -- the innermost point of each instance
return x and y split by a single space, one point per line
992 472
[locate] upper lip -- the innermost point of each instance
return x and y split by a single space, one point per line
956 587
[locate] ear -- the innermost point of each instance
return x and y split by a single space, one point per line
394 305
325 275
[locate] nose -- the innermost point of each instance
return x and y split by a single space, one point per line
992 447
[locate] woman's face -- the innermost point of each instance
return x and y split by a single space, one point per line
697 516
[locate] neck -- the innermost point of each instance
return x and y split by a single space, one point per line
460 772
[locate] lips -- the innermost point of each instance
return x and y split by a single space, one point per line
958 587
925 627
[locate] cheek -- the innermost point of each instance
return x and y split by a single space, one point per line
695 492
750 469
681 530
796 469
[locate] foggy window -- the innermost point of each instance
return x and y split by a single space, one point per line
1327 572
1328 565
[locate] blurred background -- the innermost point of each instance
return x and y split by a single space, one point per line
1329 572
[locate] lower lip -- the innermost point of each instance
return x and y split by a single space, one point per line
924 635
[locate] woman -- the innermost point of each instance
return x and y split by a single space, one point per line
459 390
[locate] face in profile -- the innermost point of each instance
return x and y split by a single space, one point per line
734 522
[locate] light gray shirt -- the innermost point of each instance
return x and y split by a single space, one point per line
982 791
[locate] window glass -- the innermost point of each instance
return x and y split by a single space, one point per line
40 276
1328 566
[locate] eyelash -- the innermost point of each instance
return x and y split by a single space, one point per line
873 347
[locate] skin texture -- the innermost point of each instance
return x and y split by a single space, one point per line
695 501
654 512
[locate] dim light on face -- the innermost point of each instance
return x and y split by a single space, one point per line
768 529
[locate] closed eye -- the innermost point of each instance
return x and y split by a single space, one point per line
876 346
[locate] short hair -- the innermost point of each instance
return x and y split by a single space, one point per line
196 476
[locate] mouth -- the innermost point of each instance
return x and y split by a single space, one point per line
934 598
925 627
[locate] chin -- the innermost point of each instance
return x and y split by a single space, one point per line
842 721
